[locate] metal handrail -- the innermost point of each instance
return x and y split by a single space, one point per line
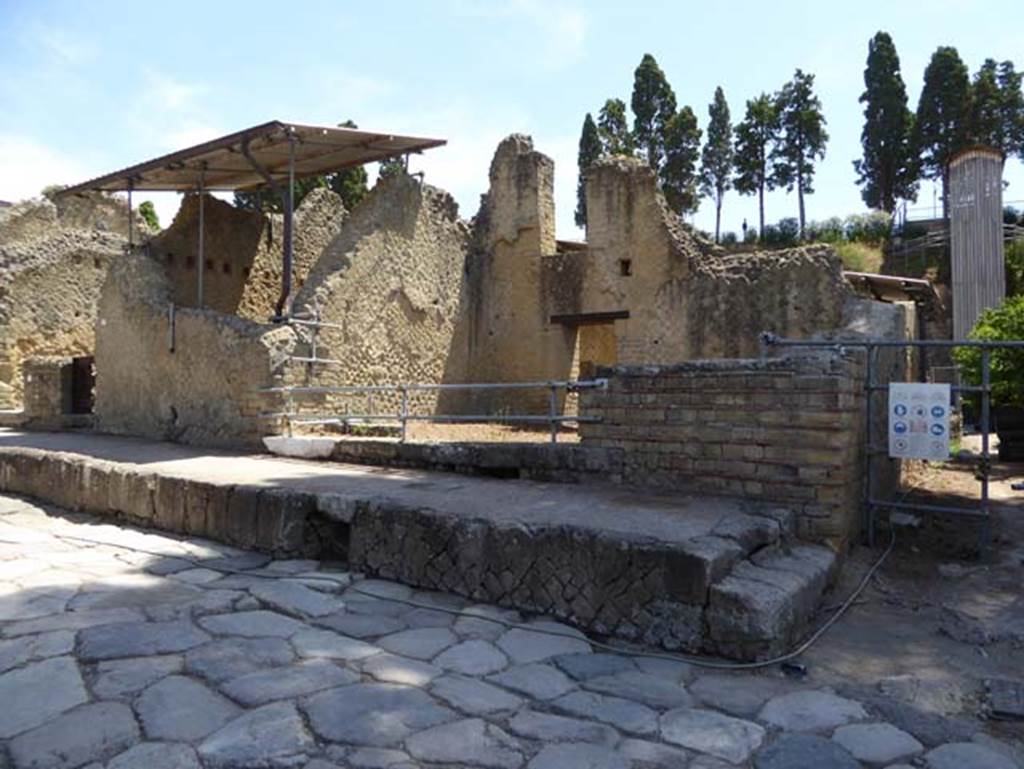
403 416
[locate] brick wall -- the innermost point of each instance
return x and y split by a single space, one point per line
784 430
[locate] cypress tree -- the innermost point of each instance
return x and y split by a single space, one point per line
678 173
613 125
717 156
756 135
942 125
802 139
654 105
589 151
888 171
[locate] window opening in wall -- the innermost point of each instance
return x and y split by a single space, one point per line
209 264
625 267
226 269
190 262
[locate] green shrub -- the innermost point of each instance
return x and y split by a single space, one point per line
1015 268
872 227
729 239
1006 370
827 231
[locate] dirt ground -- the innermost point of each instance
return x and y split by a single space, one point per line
930 632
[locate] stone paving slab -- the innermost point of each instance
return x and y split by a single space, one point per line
244 681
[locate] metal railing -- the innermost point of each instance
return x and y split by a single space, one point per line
404 415
871 387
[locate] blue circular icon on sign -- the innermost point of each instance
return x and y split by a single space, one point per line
938 411
899 428
938 429
899 410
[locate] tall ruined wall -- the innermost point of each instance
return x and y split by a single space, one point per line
391 281
53 261
511 336
194 381
242 252
687 300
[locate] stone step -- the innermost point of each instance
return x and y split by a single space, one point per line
763 606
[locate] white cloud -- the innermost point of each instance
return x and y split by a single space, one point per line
61 44
560 25
166 93
26 167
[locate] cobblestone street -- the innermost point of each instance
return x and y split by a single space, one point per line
124 649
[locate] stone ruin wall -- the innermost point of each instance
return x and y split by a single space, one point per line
54 258
686 298
391 283
242 252
191 381
419 295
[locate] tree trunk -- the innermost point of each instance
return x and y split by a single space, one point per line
718 217
800 196
945 193
760 205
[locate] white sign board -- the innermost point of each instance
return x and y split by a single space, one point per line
918 421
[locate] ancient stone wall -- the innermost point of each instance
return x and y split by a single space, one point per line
53 261
242 252
511 337
785 430
686 299
391 284
191 378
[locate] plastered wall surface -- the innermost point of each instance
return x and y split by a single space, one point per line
53 261
204 390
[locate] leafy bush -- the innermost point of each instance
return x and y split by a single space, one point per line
1011 215
750 236
782 235
1015 268
828 231
729 239
872 227
1006 371
148 213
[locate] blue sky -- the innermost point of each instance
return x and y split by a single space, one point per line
89 87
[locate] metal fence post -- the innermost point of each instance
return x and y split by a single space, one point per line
869 511
552 412
405 411
986 524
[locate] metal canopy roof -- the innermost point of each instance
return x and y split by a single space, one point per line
221 164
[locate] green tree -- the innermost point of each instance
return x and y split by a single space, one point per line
716 162
678 173
148 213
349 183
802 138
888 171
393 166
1012 109
756 136
590 150
654 106
613 127
942 124
986 123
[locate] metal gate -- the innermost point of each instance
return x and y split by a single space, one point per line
873 504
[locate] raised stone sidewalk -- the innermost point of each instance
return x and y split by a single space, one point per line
681 572
130 649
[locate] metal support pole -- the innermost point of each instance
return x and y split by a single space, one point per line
284 302
405 410
201 261
553 412
986 524
131 184
869 511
